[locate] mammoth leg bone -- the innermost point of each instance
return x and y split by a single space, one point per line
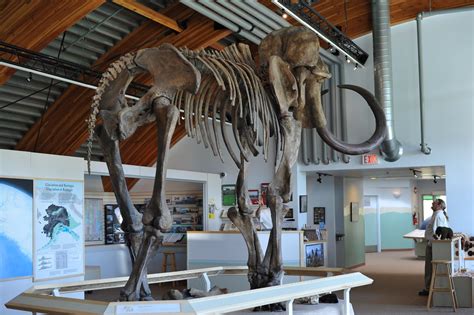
279 193
242 218
157 218
132 219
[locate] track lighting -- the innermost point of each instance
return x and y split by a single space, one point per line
30 77
320 179
348 60
415 172
356 66
435 178
284 15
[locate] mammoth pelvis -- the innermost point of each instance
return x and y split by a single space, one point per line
271 100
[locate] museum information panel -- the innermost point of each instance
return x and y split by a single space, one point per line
58 229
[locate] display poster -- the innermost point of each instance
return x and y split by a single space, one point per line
113 225
229 197
59 231
319 216
254 196
94 221
314 254
16 228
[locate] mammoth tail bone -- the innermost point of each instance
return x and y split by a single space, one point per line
110 93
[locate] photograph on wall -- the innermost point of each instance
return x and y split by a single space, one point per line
16 228
289 214
354 211
93 221
319 215
113 229
59 230
314 254
303 203
264 190
254 194
228 195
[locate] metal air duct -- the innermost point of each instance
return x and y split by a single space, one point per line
391 148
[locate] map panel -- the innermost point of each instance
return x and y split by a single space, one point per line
16 228
59 231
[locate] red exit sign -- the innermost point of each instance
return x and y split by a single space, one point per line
370 159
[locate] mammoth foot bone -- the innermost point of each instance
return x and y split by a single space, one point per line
193 293
276 307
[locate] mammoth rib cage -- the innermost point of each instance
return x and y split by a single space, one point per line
229 87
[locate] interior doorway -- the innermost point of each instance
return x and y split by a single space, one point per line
372 224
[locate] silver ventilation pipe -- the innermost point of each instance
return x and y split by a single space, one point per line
419 32
305 147
391 148
314 141
424 147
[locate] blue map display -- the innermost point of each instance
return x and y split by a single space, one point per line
16 207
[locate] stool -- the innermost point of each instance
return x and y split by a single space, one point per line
447 274
171 263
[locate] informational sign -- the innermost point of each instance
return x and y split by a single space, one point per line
370 159
148 308
16 228
94 221
59 230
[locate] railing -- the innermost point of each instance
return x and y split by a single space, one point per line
39 299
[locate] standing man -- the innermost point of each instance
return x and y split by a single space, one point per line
439 218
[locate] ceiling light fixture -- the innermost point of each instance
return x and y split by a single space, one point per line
284 15
435 178
320 175
30 77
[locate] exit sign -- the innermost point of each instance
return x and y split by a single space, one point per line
370 159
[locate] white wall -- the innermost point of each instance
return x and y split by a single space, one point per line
449 79
36 166
396 209
354 242
322 195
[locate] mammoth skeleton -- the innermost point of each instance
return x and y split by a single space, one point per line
274 99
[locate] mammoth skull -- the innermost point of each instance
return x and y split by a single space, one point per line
290 61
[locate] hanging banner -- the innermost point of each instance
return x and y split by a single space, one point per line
59 231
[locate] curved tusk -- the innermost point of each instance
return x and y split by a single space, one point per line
376 138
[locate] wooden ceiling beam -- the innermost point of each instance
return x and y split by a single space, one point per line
34 24
58 135
149 13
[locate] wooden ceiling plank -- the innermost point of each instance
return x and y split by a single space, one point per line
76 100
149 13
48 19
